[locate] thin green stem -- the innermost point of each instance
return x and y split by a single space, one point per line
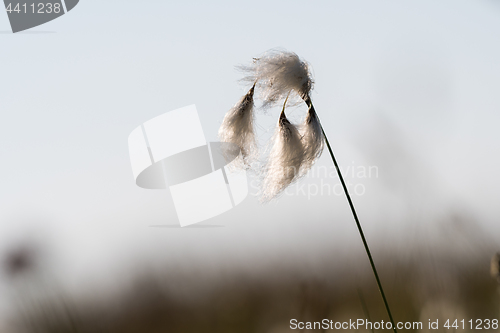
360 229
367 249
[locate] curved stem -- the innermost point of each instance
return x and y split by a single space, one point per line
358 224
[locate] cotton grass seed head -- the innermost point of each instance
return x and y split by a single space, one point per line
312 138
278 73
238 128
285 158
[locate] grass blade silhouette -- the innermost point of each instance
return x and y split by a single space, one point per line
358 224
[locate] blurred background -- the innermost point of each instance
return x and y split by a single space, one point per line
406 91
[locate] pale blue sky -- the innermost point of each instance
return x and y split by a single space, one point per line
411 88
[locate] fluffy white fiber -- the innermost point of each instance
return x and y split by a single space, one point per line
238 128
278 73
285 159
313 139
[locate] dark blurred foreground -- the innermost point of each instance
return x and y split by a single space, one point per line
419 287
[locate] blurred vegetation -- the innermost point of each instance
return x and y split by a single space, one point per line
418 287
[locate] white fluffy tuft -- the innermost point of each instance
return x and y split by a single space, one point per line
313 139
238 128
277 73
285 159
